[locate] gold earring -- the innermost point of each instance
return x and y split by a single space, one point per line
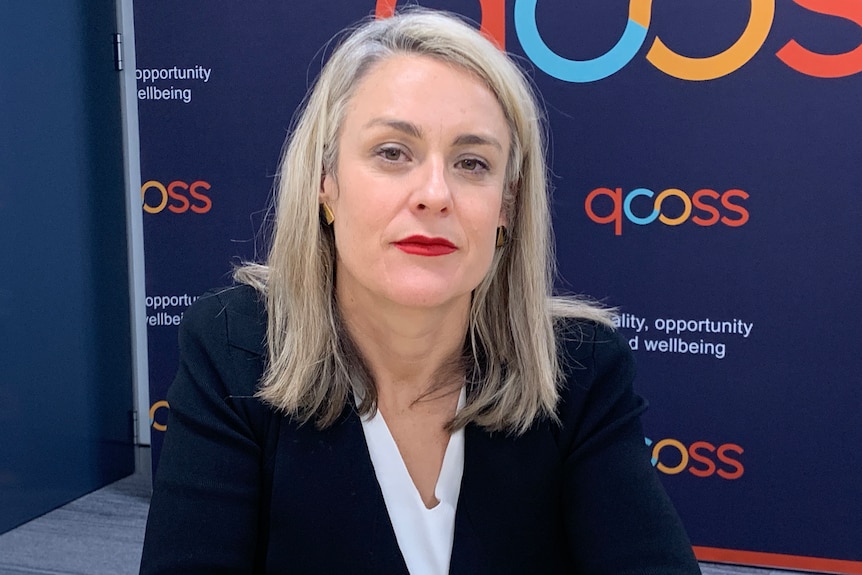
328 216
501 236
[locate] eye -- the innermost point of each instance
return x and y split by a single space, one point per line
472 165
391 153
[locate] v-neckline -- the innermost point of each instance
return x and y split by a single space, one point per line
424 536
386 456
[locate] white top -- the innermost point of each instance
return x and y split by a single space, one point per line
424 535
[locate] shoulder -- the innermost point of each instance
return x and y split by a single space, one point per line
236 315
588 349
222 341
596 387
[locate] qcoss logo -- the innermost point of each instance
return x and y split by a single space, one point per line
671 207
177 197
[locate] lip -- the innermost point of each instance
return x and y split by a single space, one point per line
425 246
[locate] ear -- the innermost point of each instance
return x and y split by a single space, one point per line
507 202
328 188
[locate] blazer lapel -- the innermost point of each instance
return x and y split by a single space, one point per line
326 482
325 495
471 554
508 518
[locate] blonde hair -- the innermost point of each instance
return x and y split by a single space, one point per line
511 357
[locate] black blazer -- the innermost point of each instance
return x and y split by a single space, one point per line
242 489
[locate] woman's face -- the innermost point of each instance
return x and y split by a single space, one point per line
417 192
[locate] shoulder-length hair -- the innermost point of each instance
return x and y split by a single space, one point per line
510 352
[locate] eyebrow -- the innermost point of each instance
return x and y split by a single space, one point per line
476 140
406 127
415 131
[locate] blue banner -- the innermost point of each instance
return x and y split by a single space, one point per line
706 175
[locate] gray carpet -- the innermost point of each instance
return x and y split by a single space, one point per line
99 534
102 534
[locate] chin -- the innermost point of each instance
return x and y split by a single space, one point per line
426 296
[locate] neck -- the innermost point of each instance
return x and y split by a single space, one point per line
409 351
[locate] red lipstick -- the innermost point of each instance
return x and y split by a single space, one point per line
425 246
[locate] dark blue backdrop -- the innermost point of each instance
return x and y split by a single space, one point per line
758 442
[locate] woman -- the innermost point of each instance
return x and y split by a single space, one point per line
394 390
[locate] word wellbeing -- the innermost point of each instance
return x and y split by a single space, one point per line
678 345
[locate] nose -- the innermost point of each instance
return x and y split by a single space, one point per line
433 192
